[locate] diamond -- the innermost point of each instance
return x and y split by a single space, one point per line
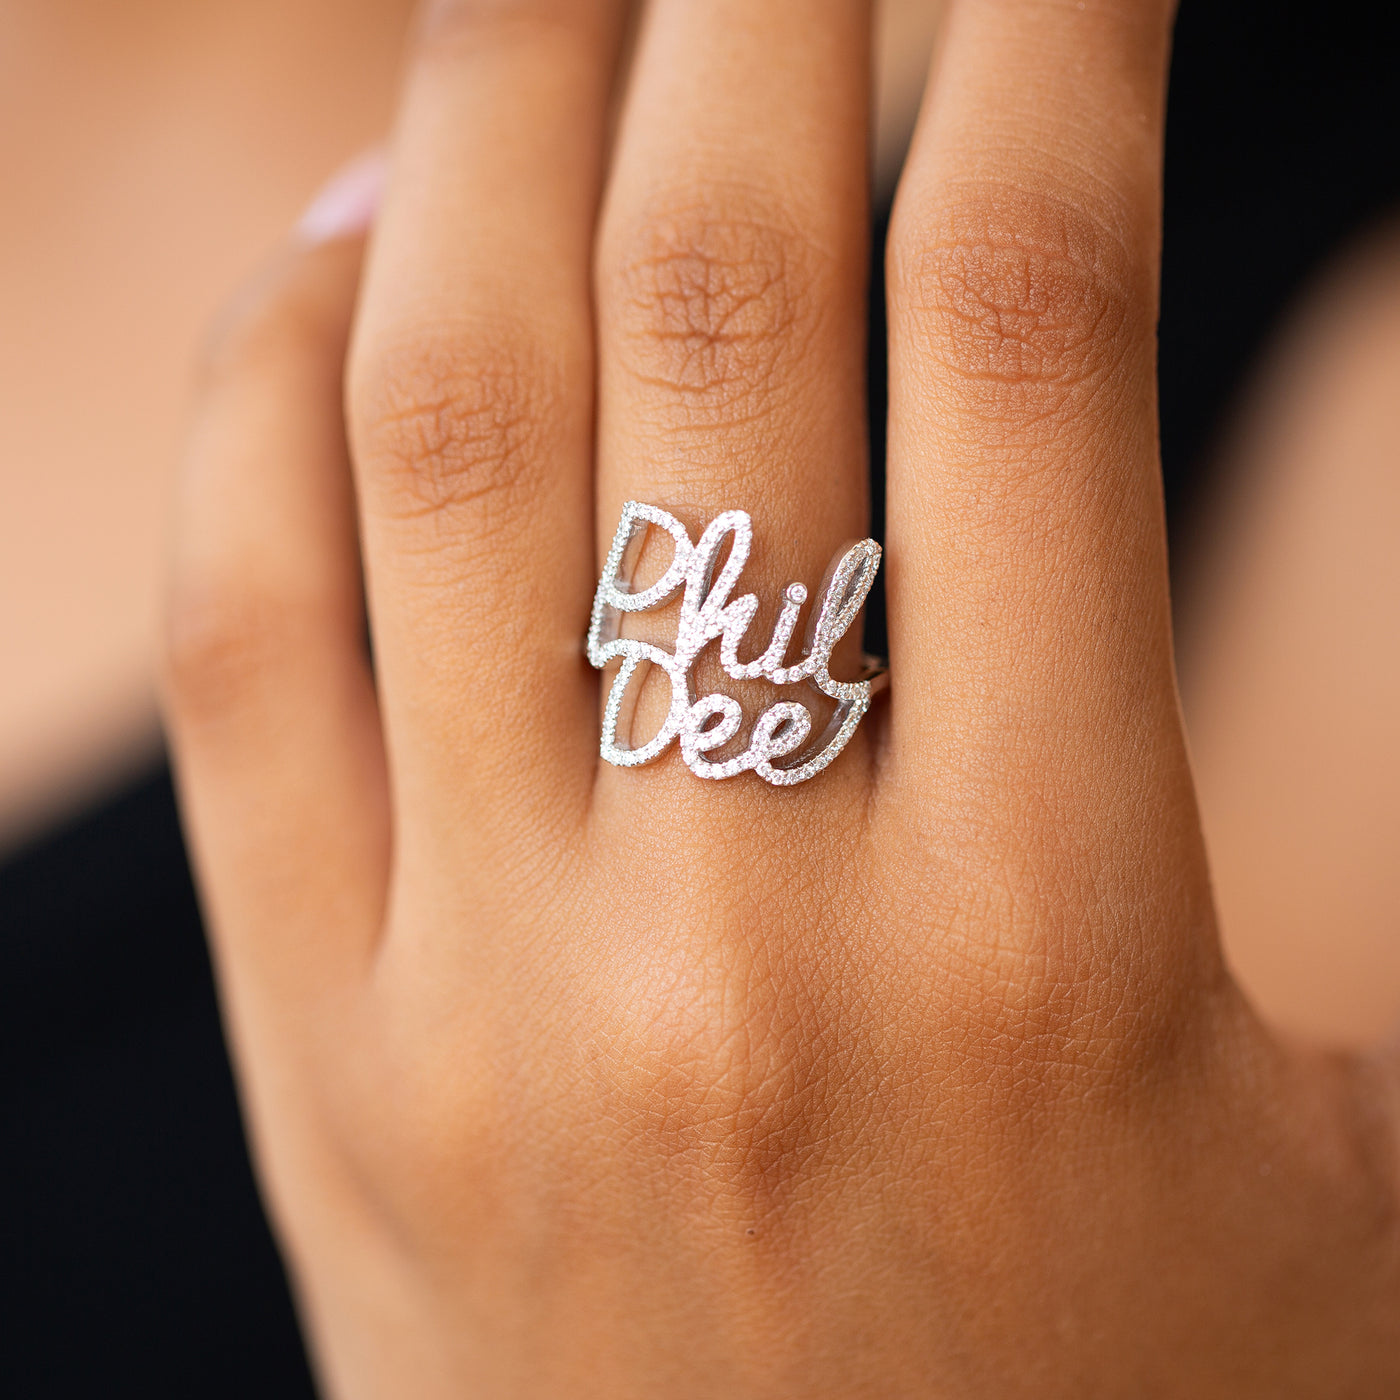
778 749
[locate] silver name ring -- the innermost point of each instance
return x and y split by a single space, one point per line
780 748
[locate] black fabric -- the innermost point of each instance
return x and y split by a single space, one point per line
1282 137
133 1253
134 1257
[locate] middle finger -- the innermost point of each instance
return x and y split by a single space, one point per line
731 280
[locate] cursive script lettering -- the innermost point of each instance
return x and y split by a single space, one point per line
778 749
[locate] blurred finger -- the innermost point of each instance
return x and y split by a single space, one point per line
269 695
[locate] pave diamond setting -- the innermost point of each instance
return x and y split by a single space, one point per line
779 750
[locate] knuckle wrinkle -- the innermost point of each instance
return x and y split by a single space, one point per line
711 309
441 431
221 644
1023 303
274 322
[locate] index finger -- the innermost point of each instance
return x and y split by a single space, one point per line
471 415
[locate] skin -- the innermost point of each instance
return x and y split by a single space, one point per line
924 1079
1300 577
107 282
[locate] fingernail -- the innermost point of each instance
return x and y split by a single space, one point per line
347 203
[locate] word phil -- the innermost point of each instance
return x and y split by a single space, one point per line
708 613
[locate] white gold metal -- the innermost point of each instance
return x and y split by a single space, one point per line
778 749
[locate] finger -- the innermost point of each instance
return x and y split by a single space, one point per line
1027 593
731 280
1025 524
471 416
269 696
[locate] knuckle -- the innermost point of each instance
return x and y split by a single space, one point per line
717 1052
755 1095
283 315
1025 303
1049 1012
709 307
441 431
223 643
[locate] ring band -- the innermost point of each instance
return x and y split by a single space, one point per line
779 750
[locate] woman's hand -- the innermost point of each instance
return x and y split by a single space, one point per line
923 1078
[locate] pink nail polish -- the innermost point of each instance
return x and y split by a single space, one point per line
347 203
